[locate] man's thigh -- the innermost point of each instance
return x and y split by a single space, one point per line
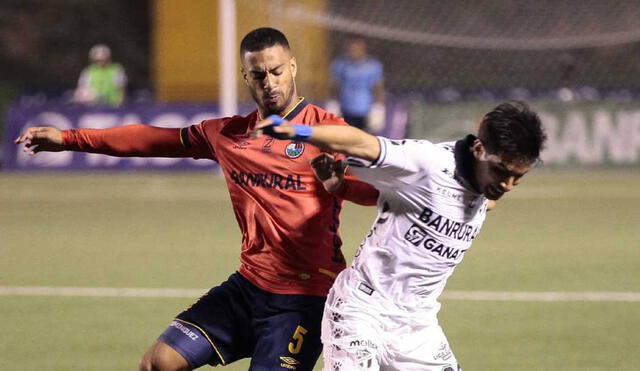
216 329
288 333
351 335
161 356
425 348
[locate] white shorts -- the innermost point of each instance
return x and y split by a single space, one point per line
360 333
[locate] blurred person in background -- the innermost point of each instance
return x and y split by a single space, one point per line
270 309
103 82
357 87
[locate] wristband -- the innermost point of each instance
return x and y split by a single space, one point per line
277 120
303 132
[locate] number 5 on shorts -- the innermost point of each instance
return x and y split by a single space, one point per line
298 337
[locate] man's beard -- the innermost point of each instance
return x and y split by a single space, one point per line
280 109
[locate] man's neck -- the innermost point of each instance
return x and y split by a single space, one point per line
465 161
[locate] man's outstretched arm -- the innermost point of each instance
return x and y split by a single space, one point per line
121 141
333 138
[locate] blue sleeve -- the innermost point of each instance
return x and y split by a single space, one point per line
336 70
378 72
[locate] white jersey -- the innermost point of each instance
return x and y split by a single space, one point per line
428 216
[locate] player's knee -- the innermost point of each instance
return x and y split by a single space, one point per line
164 358
145 364
145 361
163 363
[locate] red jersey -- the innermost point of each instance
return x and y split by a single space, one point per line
289 223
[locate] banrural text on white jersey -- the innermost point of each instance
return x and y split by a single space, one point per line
428 216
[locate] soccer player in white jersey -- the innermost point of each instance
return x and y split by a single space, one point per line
381 311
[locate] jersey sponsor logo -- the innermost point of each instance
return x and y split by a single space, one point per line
448 227
294 149
364 343
417 236
276 181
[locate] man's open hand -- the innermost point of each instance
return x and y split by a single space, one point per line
38 139
329 171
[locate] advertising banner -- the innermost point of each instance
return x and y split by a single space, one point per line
597 133
169 116
71 116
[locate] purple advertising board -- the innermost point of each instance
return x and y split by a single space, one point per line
169 116
72 116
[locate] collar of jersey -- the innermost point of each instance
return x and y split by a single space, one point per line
293 112
464 163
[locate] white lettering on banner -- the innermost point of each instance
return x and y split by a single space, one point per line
167 120
552 152
604 137
634 136
198 118
130 119
575 138
45 159
104 120
608 136
99 121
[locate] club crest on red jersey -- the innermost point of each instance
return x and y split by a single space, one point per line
294 149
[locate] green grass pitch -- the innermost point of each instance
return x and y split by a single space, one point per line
574 232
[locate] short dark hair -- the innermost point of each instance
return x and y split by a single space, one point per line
262 38
513 131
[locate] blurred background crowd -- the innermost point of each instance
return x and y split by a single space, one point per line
440 64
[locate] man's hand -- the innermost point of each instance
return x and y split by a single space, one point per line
279 129
38 139
329 171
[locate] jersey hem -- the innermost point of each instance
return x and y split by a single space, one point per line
299 291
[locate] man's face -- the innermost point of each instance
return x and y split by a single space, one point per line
103 62
270 75
494 174
356 49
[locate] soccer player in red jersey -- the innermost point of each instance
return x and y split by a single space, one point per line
271 308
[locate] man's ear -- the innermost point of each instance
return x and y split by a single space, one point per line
294 66
478 149
244 75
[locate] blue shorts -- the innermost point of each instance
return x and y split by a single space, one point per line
238 320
